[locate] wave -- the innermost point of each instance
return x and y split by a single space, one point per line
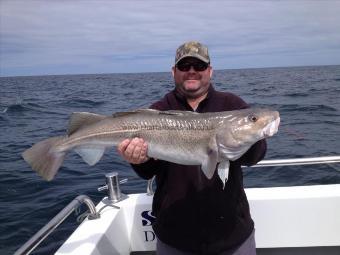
81 103
2 118
296 94
322 90
313 108
319 109
16 108
27 108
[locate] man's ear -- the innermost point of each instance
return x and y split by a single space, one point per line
210 71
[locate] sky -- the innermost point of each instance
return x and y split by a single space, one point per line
90 37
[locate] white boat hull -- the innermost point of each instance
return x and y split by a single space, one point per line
288 220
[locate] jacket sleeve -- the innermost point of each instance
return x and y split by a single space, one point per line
146 170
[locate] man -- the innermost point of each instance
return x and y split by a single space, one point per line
195 215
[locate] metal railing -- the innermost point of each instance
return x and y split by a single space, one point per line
298 161
35 240
276 162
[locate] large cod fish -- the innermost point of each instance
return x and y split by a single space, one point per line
181 137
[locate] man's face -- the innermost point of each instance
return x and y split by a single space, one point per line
192 77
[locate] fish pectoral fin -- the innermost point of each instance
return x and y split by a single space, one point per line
223 171
81 119
209 164
91 155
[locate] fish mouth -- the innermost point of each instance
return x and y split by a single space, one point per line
271 128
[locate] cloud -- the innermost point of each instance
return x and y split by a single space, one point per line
141 36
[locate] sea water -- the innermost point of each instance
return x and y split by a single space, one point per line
37 107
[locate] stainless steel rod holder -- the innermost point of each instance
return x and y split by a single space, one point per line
113 187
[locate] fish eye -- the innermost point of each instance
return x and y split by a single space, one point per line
252 118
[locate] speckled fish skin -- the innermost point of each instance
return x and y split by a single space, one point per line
181 137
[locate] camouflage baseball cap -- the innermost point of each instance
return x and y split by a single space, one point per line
192 49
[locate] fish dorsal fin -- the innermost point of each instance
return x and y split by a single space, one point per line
122 114
81 119
152 111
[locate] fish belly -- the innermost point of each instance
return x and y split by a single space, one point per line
175 154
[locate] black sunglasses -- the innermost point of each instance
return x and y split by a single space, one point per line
199 66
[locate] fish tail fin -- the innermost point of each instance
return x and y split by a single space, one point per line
44 159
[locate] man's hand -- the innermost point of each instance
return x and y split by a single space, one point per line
133 151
